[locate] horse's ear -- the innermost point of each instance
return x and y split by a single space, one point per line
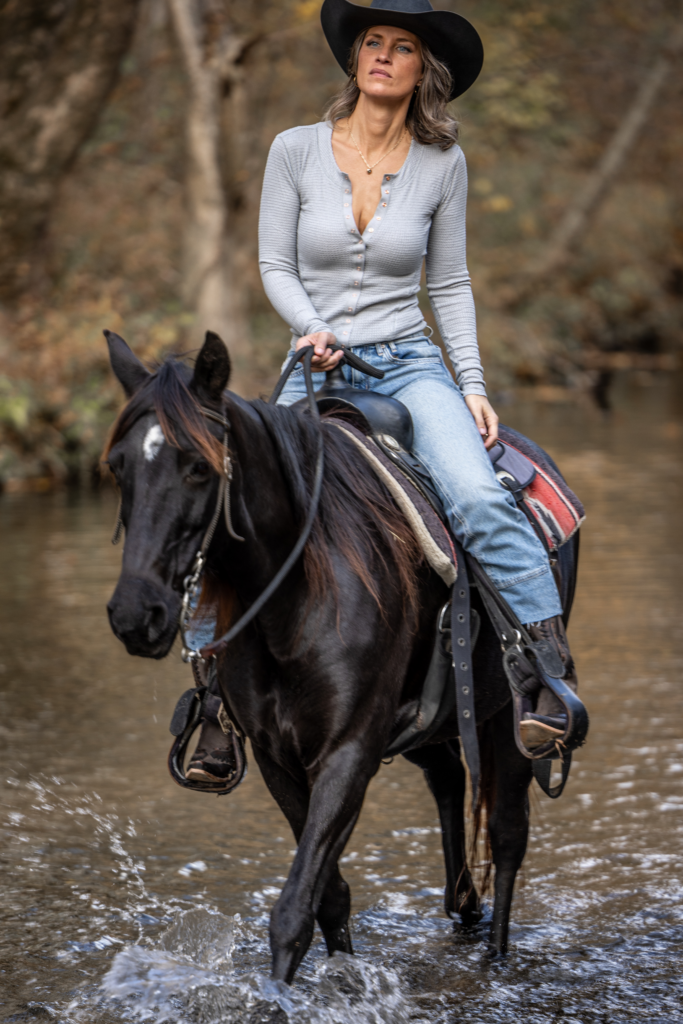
212 369
125 364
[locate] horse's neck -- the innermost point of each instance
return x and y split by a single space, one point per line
260 505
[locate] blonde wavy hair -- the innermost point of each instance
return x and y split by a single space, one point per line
428 120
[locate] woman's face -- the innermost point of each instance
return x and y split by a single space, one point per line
389 63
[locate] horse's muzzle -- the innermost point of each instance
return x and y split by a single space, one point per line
144 617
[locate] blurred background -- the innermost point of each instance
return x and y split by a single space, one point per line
133 138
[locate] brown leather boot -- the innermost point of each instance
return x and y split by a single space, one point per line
549 720
214 759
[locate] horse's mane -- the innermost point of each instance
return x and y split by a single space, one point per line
357 515
166 393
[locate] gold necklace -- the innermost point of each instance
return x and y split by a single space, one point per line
370 166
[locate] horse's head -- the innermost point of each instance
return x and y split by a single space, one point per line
166 457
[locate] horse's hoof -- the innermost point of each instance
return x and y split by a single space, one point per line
339 941
495 955
469 911
470 916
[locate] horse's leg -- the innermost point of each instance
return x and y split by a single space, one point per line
334 912
335 904
446 779
509 822
314 886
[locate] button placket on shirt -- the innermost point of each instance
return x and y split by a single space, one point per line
384 198
361 248
358 264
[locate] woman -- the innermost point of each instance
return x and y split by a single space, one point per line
350 207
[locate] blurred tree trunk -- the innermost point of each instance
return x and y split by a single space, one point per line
578 217
242 166
58 64
211 281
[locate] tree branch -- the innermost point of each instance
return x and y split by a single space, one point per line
577 218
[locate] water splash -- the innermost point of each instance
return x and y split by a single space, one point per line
191 980
109 833
168 956
202 935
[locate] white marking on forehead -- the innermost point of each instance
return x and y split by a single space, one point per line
154 439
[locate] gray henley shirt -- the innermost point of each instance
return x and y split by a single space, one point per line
321 274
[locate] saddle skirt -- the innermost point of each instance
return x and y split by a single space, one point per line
521 466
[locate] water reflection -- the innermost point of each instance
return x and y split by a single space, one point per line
105 861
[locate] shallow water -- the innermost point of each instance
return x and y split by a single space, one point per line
124 896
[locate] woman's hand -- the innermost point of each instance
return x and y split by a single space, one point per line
324 358
484 417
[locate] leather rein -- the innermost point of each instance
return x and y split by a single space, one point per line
191 584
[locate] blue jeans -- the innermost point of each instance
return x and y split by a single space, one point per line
481 513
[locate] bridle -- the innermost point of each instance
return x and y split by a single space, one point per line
191 583
223 501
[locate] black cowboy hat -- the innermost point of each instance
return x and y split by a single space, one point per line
449 36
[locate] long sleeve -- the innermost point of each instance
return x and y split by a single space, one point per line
278 232
321 274
449 287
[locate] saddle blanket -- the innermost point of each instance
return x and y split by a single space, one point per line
433 537
554 506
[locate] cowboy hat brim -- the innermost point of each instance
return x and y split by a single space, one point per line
449 36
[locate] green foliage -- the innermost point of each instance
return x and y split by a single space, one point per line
15 404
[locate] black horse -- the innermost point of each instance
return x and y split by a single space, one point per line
332 667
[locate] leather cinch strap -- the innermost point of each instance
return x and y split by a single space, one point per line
462 667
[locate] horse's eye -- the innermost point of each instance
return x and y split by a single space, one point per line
200 469
116 466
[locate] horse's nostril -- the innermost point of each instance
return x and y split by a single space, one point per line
157 618
142 615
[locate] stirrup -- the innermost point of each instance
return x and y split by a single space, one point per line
541 661
193 706
536 730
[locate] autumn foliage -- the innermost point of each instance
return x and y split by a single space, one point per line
557 82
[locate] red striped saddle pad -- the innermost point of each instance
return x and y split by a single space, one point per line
554 506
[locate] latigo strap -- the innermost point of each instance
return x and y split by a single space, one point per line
462 667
